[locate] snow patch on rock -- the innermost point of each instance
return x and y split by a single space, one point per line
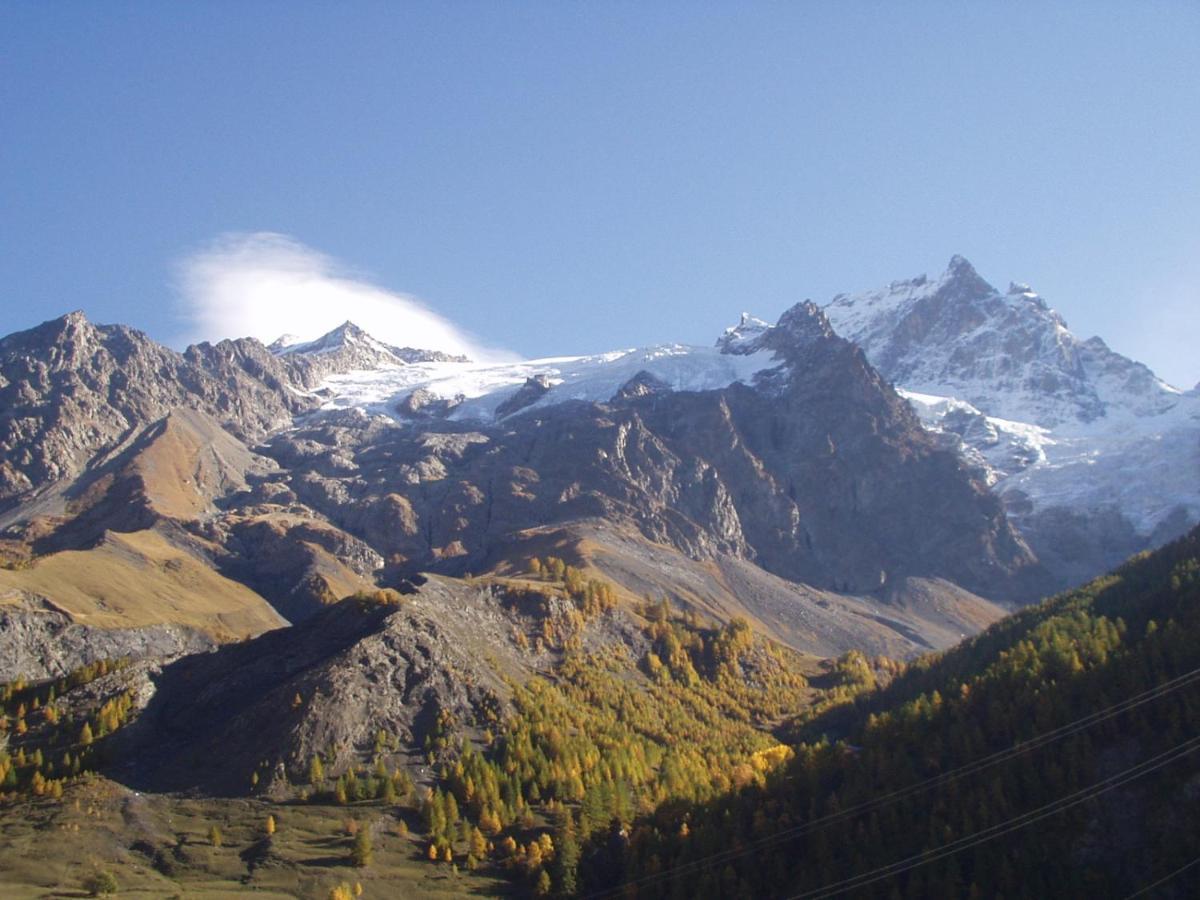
1051 421
482 389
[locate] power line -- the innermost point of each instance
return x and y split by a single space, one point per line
1148 888
985 762
999 830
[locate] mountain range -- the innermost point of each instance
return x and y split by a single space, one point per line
881 471
1094 456
357 553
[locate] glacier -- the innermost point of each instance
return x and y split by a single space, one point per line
1053 422
1082 444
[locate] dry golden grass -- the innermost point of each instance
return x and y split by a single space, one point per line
189 461
141 579
158 846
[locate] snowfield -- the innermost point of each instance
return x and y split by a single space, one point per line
1051 420
1048 420
1145 466
480 388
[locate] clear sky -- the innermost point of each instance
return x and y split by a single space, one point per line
574 177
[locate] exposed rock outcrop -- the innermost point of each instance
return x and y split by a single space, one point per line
819 473
357 668
534 388
70 390
39 641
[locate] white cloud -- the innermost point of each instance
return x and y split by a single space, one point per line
265 285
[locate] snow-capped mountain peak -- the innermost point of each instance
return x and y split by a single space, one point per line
1010 355
284 341
345 335
1071 433
739 338
358 349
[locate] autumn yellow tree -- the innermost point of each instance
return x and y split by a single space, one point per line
361 850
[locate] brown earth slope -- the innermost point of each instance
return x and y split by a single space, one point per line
140 578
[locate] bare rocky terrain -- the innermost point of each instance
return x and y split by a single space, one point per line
287 577
817 478
40 642
212 720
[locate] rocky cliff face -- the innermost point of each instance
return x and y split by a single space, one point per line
1008 354
70 390
818 472
38 641
1095 457
327 686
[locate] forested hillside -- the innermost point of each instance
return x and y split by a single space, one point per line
659 755
588 711
1052 755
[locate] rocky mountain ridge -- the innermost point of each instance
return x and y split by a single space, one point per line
348 348
70 390
308 470
792 456
805 472
1095 457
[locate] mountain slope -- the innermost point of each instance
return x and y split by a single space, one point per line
1095 457
137 579
359 668
854 807
912 615
70 390
817 472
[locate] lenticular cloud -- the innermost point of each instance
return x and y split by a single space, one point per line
265 285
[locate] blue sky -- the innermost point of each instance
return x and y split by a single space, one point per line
578 177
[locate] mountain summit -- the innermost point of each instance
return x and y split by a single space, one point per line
933 431
1009 355
1095 456
349 348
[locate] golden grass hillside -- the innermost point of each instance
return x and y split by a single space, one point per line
141 579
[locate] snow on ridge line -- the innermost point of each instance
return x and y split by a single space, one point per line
345 336
1009 355
479 388
1145 472
1064 460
